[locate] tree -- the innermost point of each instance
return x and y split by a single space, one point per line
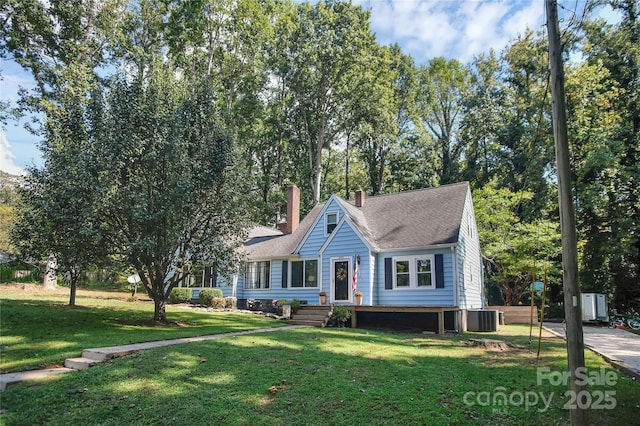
326 54
384 111
168 196
526 138
511 248
479 129
55 212
443 87
506 131
62 45
617 49
8 197
596 153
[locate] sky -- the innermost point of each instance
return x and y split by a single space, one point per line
424 29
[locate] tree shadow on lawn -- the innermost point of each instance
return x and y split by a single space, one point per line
304 376
32 331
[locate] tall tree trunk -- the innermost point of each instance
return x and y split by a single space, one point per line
75 276
346 170
316 179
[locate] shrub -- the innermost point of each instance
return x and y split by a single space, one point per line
207 295
180 295
230 302
554 311
295 305
218 302
339 316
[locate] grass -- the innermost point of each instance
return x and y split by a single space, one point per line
317 377
38 329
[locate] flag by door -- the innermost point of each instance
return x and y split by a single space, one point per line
355 274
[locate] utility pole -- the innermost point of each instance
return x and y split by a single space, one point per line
570 284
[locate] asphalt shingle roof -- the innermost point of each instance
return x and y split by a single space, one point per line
263 244
415 219
412 219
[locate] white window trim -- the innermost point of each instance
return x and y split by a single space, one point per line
244 284
413 272
326 222
290 274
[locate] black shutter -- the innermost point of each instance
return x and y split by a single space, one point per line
388 273
285 273
439 271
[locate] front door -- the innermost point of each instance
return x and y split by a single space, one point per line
341 287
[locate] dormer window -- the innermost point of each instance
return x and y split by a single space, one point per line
331 220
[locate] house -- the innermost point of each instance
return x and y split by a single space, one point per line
409 254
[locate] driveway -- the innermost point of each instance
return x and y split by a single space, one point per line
618 346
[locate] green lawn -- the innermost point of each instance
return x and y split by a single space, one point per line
316 377
38 329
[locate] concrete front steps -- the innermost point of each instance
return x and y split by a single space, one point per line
311 315
91 357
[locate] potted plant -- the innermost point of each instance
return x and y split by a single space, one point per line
323 297
358 298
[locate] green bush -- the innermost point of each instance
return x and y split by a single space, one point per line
339 316
553 311
180 295
295 305
207 295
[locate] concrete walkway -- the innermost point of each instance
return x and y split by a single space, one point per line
91 357
619 347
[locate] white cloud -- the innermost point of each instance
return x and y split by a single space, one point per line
454 29
7 157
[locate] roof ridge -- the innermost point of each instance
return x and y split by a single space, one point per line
352 202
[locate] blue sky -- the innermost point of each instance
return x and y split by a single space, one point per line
424 29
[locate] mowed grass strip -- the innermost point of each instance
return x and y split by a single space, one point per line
316 377
38 329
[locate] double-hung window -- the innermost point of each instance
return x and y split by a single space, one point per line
331 220
304 273
413 272
257 274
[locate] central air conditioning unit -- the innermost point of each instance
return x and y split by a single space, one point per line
482 320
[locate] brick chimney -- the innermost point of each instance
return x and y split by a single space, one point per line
359 198
293 211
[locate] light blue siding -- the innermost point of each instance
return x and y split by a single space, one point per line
275 290
317 234
469 261
416 297
347 244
